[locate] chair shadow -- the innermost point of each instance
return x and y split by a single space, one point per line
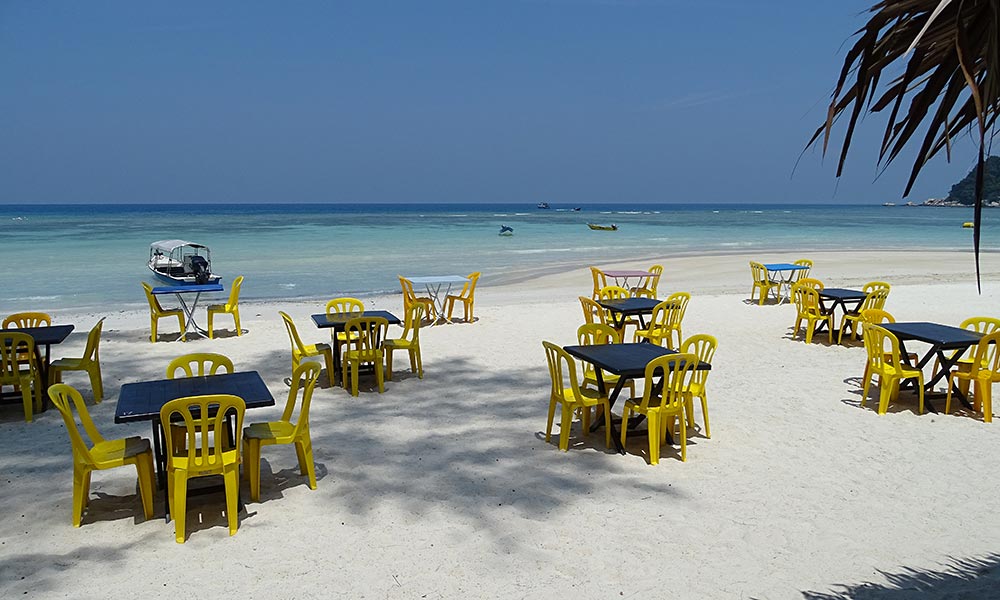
273 484
103 507
228 333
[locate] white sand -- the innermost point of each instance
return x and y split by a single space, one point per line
445 488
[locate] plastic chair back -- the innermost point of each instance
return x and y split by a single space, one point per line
803 273
27 319
806 299
759 273
674 372
234 294
199 364
365 335
593 334
293 333
876 285
469 289
72 407
882 347
600 281
345 306
303 380
202 419
875 316
411 323
703 346
592 311
613 292
154 302
983 325
17 350
815 284
675 306
875 299
562 372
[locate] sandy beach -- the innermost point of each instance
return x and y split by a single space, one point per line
445 487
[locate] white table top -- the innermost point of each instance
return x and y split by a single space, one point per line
432 279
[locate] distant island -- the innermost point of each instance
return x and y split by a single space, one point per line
963 193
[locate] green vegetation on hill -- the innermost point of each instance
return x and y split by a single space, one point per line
964 192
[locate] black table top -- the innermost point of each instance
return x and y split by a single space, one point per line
628 360
45 336
142 401
339 320
947 337
630 305
842 294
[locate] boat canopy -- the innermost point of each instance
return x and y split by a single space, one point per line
169 246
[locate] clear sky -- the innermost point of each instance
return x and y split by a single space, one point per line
565 101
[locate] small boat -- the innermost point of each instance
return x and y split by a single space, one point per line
888 204
506 231
969 225
543 205
178 262
577 209
596 227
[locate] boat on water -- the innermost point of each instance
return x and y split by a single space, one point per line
888 204
577 209
506 231
543 205
178 262
597 227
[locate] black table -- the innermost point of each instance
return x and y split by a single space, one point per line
627 361
942 338
142 402
338 322
839 297
629 307
45 336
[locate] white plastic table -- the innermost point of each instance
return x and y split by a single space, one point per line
624 275
434 283
190 327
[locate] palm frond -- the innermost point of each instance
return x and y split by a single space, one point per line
949 51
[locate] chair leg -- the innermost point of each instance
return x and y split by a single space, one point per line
379 375
564 425
144 470
180 321
920 393
607 425
450 306
886 386
251 462
354 378
211 329
704 413
178 503
388 362
653 418
984 393
236 320
81 488
306 463
152 329
328 359
420 362
809 331
27 397
95 381
947 401
552 415
684 442
232 478
626 412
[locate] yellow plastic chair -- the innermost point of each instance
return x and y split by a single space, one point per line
877 316
875 300
27 319
467 297
101 454
199 364
884 362
761 282
592 334
207 450
703 346
19 368
984 371
409 342
232 307
567 392
300 350
811 282
983 325
284 431
89 362
366 335
801 274
600 281
647 288
808 309
409 297
615 292
667 317
677 373
592 311
157 312
343 306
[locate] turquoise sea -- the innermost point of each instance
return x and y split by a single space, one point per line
84 256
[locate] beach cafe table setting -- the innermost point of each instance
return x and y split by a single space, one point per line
832 298
142 401
434 283
338 322
947 344
628 307
784 275
628 361
180 291
622 276
45 336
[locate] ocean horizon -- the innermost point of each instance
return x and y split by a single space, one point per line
59 256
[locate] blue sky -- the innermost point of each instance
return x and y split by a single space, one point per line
566 101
